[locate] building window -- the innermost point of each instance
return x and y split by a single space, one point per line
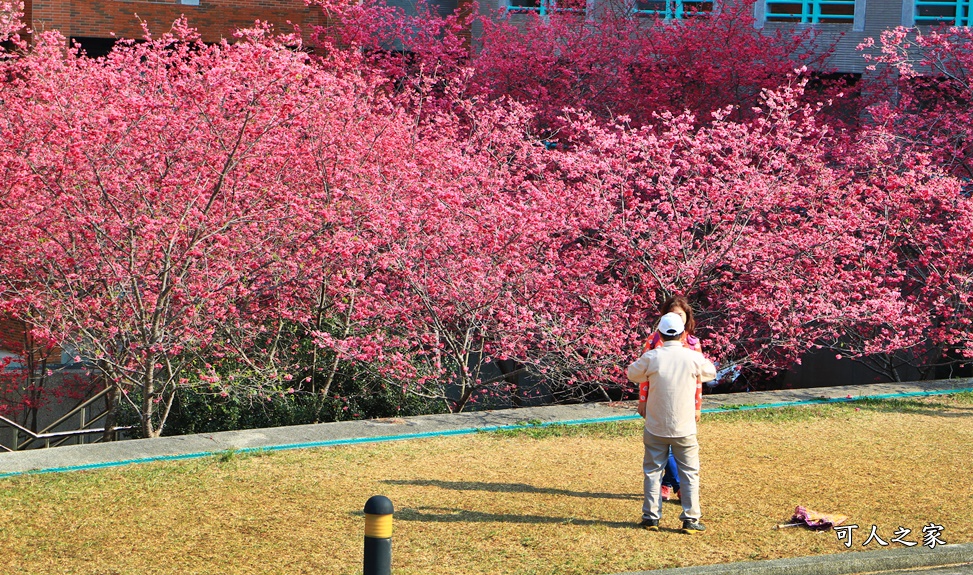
672 8
955 12
94 47
545 7
811 11
189 2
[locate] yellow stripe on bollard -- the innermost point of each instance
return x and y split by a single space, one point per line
378 526
377 559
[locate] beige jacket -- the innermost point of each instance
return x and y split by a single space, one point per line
672 371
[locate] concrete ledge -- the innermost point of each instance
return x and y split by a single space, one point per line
836 564
98 455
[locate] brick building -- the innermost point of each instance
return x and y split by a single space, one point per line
95 24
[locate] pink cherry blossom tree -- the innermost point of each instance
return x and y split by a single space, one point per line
915 216
462 248
149 195
11 21
925 81
747 219
917 160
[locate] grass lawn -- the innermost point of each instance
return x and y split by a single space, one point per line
556 500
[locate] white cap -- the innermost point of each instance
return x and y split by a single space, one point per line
671 324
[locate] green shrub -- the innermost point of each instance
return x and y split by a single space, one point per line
202 410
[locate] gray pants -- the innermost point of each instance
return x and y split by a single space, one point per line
686 452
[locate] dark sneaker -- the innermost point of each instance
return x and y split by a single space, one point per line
650 524
690 526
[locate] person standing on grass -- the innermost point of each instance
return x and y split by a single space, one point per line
678 305
672 409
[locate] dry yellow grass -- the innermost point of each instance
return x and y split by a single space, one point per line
559 501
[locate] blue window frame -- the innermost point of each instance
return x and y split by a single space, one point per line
542 7
669 9
933 12
811 11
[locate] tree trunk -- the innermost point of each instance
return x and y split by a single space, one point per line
111 409
148 402
334 366
511 370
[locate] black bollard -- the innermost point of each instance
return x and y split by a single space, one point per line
378 536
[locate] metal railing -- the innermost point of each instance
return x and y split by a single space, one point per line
51 438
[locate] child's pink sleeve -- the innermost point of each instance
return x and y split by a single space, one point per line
654 341
693 343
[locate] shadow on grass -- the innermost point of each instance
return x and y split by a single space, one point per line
508 488
933 408
446 515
